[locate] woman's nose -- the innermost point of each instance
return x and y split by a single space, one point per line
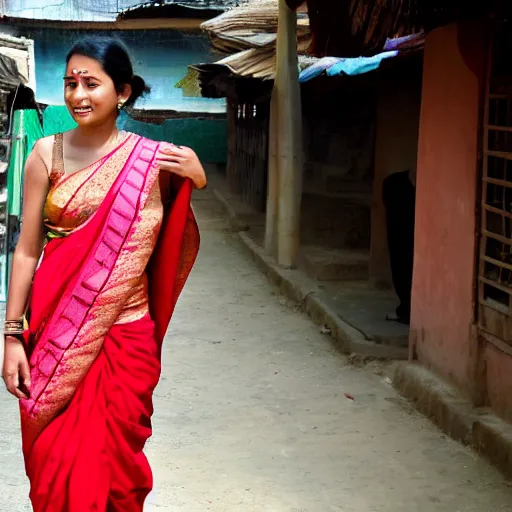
80 94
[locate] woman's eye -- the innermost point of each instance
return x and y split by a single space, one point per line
92 85
70 85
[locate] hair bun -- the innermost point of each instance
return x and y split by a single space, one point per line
139 89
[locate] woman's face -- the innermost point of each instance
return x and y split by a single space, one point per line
89 92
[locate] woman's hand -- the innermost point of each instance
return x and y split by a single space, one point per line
182 161
16 371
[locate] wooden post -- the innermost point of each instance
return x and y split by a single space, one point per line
288 139
273 181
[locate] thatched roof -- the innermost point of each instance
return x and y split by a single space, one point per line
252 25
247 34
253 63
360 27
250 32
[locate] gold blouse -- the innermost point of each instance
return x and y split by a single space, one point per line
73 199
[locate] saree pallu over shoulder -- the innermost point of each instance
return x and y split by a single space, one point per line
75 300
173 258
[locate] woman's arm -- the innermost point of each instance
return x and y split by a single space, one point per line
26 257
31 240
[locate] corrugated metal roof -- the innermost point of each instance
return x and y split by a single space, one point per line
94 10
201 9
64 10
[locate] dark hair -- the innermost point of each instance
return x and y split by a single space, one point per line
113 56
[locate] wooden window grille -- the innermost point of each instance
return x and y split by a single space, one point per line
495 269
248 152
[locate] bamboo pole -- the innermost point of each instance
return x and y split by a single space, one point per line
289 138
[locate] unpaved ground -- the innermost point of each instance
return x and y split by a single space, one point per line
251 414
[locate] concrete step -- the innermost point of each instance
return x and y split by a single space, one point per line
327 264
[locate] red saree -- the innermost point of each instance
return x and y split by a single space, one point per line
88 415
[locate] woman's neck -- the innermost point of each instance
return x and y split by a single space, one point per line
95 136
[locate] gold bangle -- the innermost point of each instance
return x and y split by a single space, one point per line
13 327
18 325
16 321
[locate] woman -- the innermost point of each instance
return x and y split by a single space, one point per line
116 209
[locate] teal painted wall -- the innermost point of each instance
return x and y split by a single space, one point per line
207 137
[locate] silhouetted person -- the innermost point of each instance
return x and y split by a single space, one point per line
399 196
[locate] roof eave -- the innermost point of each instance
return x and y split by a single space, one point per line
137 24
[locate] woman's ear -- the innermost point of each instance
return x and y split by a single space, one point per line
125 94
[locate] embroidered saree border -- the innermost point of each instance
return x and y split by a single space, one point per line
73 336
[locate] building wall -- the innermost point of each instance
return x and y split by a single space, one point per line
396 149
161 57
339 139
339 136
444 269
207 137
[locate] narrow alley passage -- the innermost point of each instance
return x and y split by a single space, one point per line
251 413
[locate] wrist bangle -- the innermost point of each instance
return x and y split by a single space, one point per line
13 327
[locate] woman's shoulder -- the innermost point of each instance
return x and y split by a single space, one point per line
44 148
45 144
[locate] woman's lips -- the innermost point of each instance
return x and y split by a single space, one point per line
82 111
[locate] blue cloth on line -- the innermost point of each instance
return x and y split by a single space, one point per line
335 66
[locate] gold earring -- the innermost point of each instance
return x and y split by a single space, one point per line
120 106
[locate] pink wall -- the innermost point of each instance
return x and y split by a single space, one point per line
444 273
